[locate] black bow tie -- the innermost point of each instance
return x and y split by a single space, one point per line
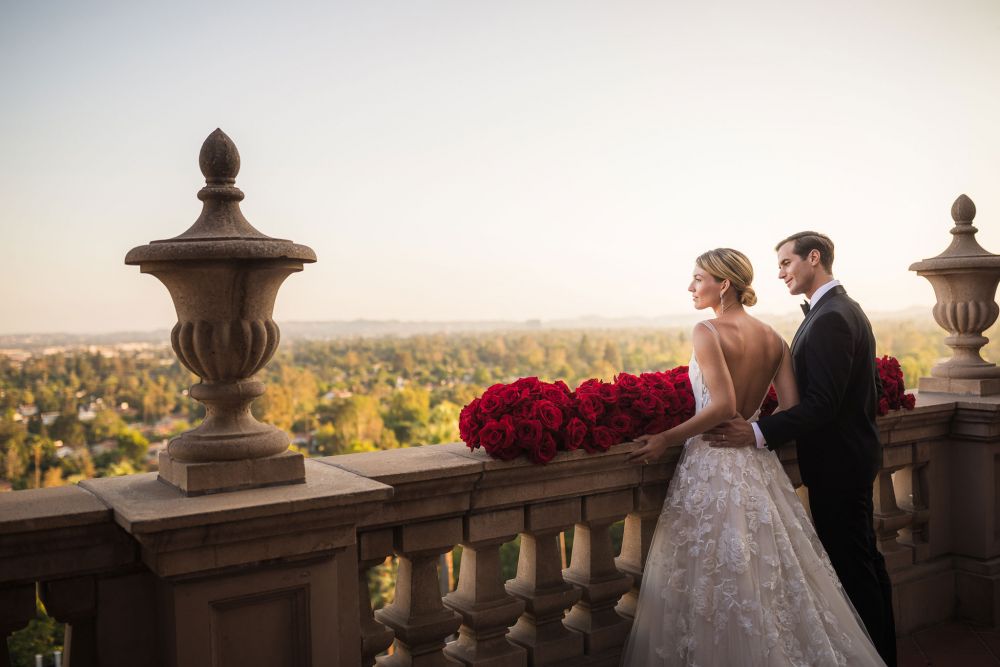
805 307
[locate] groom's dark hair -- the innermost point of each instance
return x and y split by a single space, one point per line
806 242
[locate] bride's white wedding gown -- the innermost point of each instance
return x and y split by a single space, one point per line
736 574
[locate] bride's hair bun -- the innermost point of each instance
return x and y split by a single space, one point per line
734 266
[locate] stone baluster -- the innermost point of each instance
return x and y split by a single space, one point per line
373 549
639 527
17 608
912 496
889 519
74 602
420 621
487 609
593 570
539 582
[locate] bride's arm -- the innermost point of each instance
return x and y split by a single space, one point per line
784 381
722 407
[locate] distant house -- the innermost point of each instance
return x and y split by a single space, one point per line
49 418
103 447
86 414
337 393
27 411
64 451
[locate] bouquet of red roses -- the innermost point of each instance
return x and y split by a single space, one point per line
538 419
619 411
891 396
526 417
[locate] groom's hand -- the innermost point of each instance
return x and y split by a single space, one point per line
736 432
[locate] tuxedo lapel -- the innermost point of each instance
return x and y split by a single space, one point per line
815 308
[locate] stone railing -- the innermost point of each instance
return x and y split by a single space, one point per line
144 575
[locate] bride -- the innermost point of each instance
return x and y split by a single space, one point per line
736 574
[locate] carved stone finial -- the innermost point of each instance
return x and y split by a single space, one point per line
964 278
219 160
223 276
963 210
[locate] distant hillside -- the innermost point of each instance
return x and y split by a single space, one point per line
378 328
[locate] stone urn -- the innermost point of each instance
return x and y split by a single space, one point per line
964 278
223 276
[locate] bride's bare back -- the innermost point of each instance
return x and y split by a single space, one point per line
753 353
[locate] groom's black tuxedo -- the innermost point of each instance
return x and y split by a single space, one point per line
839 453
833 354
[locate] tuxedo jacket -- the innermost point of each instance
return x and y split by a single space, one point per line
833 354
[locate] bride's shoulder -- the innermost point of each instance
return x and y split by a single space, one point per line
706 325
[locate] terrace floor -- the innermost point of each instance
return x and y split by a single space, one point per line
950 645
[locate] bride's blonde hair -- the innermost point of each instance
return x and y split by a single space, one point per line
731 265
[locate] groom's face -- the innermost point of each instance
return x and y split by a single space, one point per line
798 273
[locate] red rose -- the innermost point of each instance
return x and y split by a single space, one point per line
608 393
497 438
576 431
492 403
531 384
510 395
528 433
648 405
604 438
468 423
658 425
589 387
770 403
550 414
883 406
909 401
590 407
628 382
557 394
526 408
546 450
621 423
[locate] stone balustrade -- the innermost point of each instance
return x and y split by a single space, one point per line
142 574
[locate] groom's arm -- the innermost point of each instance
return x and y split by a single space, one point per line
828 359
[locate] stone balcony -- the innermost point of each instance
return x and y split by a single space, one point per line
239 552
142 574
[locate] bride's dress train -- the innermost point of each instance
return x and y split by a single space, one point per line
736 574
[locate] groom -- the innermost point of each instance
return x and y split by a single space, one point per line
839 453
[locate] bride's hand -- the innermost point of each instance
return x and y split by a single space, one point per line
653 448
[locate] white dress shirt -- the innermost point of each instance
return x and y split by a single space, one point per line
817 295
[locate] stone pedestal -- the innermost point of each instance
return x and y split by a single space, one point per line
200 478
964 386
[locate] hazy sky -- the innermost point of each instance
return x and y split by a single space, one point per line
479 160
